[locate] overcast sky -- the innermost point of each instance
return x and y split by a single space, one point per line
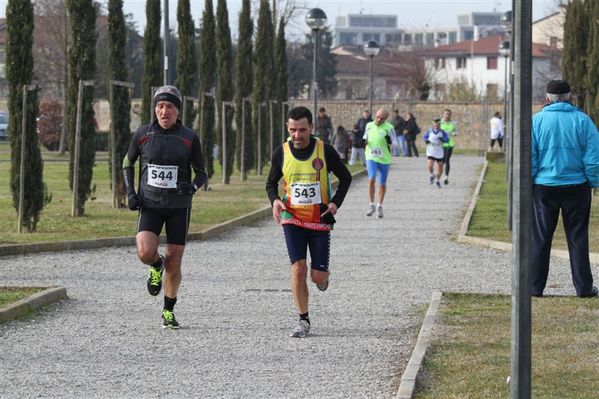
411 13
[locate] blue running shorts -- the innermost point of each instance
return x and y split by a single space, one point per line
373 167
299 240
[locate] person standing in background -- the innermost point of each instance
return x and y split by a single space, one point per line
398 125
411 130
496 132
323 126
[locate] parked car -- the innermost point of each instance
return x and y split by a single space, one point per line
3 125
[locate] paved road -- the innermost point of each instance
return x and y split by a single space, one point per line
236 307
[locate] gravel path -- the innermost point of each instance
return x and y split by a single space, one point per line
236 308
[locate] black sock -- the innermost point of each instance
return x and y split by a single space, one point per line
158 264
304 316
169 303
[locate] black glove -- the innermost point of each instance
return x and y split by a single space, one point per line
427 142
133 202
185 188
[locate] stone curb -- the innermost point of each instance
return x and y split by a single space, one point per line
32 302
408 379
500 245
211 232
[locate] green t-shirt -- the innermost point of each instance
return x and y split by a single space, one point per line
377 148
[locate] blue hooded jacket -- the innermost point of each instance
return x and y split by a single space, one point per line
565 147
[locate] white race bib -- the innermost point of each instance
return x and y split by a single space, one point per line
162 176
305 193
376 152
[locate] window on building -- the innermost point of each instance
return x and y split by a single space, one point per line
419 39
439 90
430 39
407 39
453 37
393 38
468 35
460 62
439 62
491 62
348 38
371 36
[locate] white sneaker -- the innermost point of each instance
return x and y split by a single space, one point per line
371 210
301 330
379 212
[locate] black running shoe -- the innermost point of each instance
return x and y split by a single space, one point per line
154 282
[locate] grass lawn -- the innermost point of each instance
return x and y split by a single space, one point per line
489 219
101 220
13 294
470 354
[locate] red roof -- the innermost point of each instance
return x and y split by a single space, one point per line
485 46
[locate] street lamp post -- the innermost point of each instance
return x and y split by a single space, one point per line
316 19
371 48
504 50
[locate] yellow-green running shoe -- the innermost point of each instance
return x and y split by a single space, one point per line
168 320
154 282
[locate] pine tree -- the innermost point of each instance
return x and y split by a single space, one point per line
187 68
574 55
153 74
207 82
224 89
82 65
117 61
326 66
263 72
243 72
592 106
280 87
19 71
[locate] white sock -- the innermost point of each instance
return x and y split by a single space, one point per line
372 204
379 205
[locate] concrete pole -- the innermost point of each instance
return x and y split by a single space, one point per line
223 152
259 141
74 207
522 204
112 146
165 42
371 83
271 129
23 160
243 172
315 33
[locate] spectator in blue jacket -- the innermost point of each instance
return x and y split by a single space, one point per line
565 166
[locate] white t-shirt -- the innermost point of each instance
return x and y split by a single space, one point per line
496 128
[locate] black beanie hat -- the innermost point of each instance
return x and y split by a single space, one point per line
170 94
558 87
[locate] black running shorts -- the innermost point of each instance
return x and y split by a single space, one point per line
176 221
299 240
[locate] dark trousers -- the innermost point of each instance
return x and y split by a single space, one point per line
412 148
447 151
575 205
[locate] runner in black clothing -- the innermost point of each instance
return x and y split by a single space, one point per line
307 209
167 153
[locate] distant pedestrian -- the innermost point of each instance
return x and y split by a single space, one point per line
363 121
434 138
411 130
565 166
307 208
339 142
398 125
357 146
496 131
449 127
323 126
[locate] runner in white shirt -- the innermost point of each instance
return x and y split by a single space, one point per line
496 131
434 139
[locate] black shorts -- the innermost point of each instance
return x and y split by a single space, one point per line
299 239
176 221
440 160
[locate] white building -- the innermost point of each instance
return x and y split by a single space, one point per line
477 65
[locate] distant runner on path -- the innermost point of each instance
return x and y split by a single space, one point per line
306 210
167 153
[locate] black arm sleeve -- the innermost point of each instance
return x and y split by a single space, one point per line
335 165
197 163
129 162
275 174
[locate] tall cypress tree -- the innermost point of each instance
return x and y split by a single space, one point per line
117 61
82 66
280 87
574 55
327 61
243 72
224 88
153 73
207 81
19 71
263 71
187 68
593 61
